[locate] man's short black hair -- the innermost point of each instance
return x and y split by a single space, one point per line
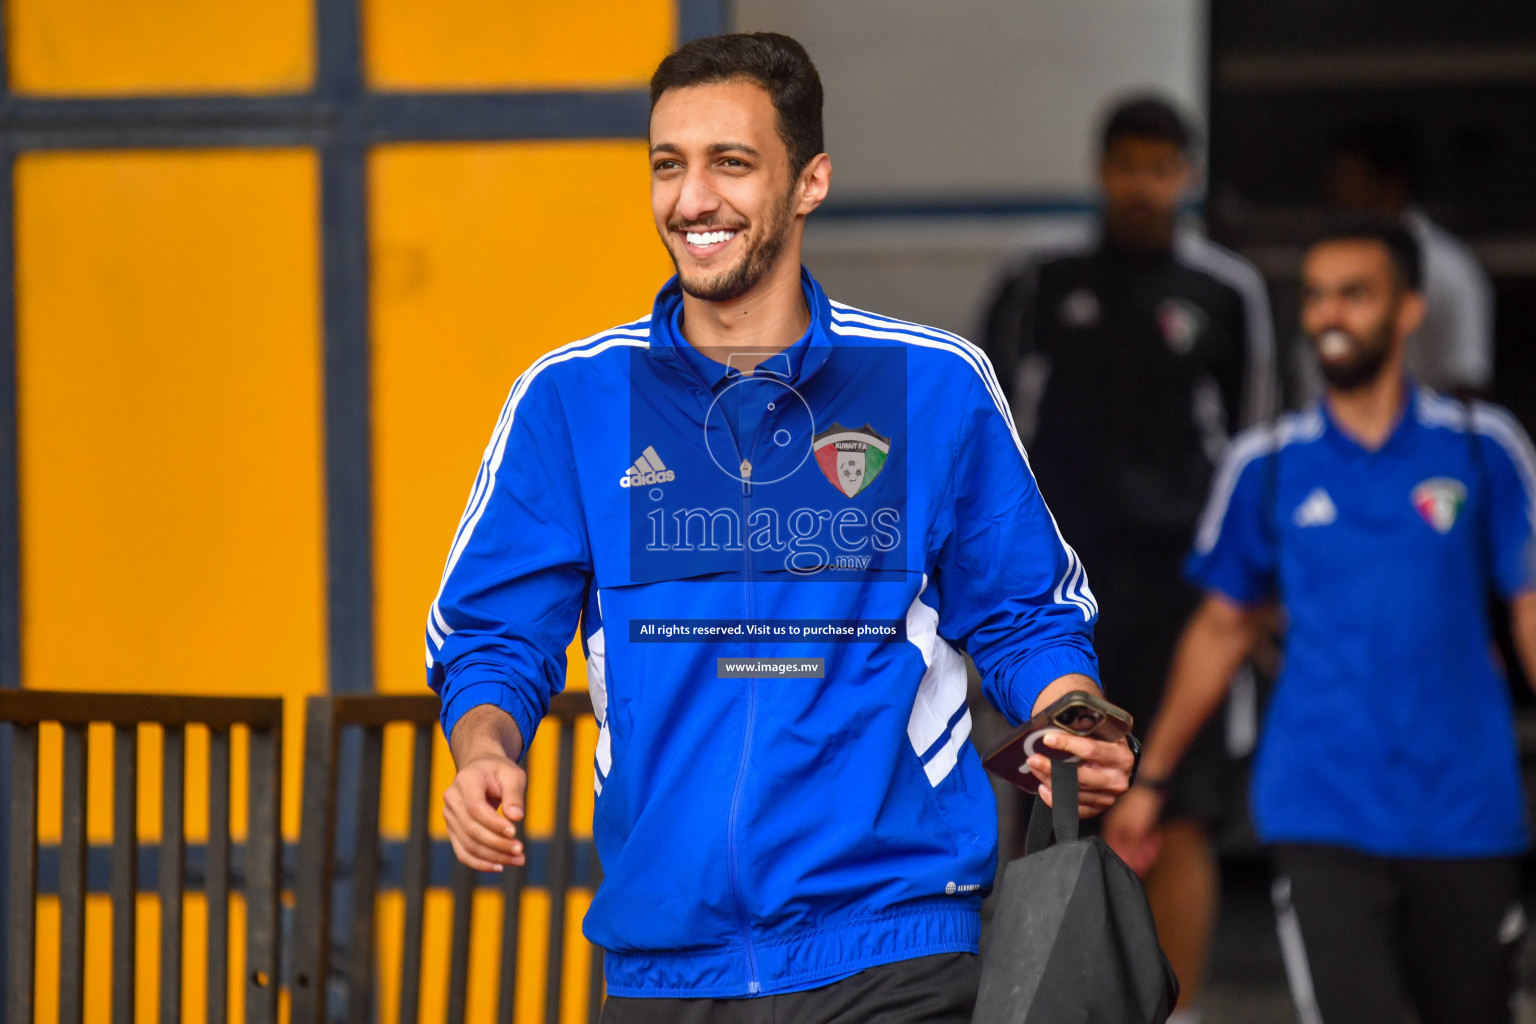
1147 117
1399 242
776 62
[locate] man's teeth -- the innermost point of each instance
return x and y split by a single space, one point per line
708 237
1334 344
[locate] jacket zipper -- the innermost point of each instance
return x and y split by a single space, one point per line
754 985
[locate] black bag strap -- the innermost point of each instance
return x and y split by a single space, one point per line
1059 820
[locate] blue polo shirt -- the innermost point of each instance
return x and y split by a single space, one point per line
1391 729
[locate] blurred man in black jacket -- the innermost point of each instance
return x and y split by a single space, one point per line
1128 364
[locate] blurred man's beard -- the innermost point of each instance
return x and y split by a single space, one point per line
755 261
1366 363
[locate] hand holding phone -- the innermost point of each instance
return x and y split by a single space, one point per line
1078 712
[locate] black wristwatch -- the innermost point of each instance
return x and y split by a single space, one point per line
1135 745
1161 786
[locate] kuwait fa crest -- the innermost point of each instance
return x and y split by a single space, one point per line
851 459
1439 500
1182 323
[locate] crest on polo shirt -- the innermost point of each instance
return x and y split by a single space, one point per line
1439 500
850 458
1181 323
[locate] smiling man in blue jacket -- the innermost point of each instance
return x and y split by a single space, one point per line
777 521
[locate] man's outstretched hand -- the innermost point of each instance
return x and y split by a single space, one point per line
484 805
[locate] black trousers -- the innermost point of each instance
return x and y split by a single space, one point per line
937 989
1371 936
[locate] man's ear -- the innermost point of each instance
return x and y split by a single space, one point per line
814 183
1410 313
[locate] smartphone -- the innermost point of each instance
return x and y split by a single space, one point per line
1078 712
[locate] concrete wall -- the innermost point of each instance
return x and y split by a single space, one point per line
932 104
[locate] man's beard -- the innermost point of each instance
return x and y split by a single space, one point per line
1370 356
750 266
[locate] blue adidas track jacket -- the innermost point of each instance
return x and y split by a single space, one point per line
759 833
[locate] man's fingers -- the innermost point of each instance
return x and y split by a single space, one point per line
1098 752
469 859
510 785
502 844
1089 805
472 841
471 818
479 805
1091 778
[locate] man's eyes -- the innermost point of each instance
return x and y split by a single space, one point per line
729 162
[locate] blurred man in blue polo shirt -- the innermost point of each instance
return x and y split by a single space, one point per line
1387 778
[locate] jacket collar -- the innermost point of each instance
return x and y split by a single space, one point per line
667 340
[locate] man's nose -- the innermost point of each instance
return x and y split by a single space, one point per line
1330 311
698 200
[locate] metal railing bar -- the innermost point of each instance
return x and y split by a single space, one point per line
389 709
98 859
595 982
513 880
365 878
414 872
119 709
569 705
370 710
217 875
72 877
561 856
317 844
263 874
463 889
172 865
21 879
125 871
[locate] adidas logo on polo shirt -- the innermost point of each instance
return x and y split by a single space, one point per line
1316 510
648 469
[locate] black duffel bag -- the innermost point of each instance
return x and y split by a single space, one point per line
1072 935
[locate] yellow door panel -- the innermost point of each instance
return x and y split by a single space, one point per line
484 257
144 47
170 418
506 44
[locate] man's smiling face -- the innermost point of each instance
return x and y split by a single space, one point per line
722 193
1355 309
